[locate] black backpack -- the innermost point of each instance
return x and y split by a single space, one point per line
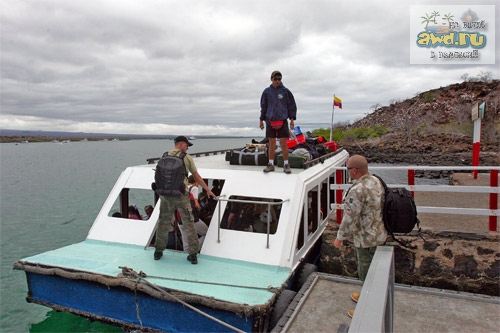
400 211
170 173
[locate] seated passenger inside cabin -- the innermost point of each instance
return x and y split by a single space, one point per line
133 213
250 217
206 210
149 211
216 189
217 185
241 217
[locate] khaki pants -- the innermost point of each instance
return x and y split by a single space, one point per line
168 205
364 259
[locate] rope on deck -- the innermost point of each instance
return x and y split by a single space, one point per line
269 288
140 278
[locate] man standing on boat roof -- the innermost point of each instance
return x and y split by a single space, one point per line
362 218
181 203
277 105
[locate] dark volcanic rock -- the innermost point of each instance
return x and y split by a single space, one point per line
447 260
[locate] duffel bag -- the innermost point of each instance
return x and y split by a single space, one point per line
295 161
245 156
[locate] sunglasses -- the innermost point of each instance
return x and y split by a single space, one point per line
277 79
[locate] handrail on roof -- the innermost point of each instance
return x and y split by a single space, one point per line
320 159
258 202
152 160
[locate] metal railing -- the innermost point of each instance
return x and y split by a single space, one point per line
153 160
375 309
493 189
258 202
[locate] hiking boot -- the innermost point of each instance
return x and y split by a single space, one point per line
350 313
158 255
286 169
192 258
355 297
269 168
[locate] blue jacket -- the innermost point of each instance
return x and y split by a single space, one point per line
277 104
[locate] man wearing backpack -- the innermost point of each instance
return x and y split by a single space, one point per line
180 202
362 217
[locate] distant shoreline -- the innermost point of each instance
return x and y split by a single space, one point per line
17 136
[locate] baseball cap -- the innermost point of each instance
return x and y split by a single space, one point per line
182 138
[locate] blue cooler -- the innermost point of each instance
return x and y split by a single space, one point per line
296 130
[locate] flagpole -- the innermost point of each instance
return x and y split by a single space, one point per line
333 111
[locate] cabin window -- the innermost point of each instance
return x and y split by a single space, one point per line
136 203
244 213
132 203
313 213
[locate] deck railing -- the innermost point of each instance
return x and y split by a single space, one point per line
493 189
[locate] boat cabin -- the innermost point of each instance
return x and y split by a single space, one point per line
266 228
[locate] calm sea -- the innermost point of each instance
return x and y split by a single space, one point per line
50 196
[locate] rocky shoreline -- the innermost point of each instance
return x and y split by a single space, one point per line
431 149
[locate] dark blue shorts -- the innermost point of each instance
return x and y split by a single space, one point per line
283 132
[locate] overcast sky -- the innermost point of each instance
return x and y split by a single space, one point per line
199 67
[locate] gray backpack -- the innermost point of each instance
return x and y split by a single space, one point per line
170 173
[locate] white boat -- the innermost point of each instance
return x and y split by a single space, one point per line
244 280
192 138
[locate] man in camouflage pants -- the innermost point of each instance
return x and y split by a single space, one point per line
363 203
181 203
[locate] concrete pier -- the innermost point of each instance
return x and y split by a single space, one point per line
323 307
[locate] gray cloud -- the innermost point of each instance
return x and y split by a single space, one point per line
200 67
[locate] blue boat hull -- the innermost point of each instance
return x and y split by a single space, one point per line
125 308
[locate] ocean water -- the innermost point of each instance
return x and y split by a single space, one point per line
50 195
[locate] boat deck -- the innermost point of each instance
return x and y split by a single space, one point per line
218 278
324 307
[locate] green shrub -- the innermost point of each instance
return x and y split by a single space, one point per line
360 133
429 97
